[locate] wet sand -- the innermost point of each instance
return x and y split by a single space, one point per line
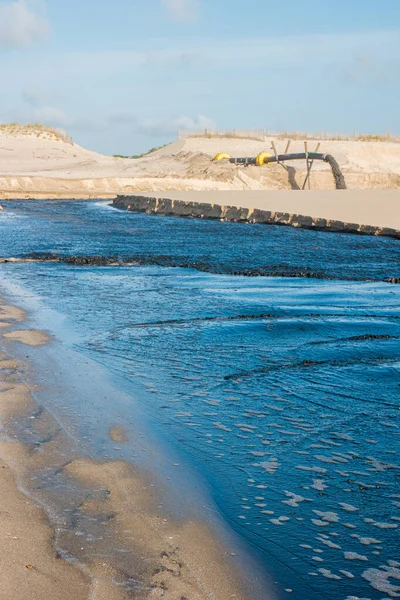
30 567
115 506
30 338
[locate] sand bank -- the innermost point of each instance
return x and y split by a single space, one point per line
367 212
108 537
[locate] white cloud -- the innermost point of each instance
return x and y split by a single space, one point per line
170 125
332 53
182 10
21 23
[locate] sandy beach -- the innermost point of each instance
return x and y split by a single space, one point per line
187 402
162 558
199 300
109 536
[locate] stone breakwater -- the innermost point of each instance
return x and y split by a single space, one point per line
201 210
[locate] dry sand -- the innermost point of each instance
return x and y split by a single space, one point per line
155 556
366 207
46 167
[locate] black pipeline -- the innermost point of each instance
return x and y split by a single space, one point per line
328 158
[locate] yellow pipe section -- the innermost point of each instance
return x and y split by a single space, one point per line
221 156
261 158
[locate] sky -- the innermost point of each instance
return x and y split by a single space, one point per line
123 76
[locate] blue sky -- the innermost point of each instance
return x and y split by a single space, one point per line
123 76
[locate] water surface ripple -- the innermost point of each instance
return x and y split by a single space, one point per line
283 392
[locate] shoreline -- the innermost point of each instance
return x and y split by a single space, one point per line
360 212
330 210
113 505
190 376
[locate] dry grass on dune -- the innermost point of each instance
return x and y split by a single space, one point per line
264 135
40 131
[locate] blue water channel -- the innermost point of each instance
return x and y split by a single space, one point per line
270 357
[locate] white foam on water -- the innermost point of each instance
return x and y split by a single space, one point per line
10 216
328 574
381 525
312 469
378 465
379 579
270 466
329 544
354 556
319 484
329 516
329 442
348 507
319 447
347 574
279 520
366 541
319 523
343 436
295 499
329 459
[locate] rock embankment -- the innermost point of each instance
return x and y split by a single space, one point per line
202 210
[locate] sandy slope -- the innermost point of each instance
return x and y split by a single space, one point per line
44 166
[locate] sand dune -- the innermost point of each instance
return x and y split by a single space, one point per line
42 165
